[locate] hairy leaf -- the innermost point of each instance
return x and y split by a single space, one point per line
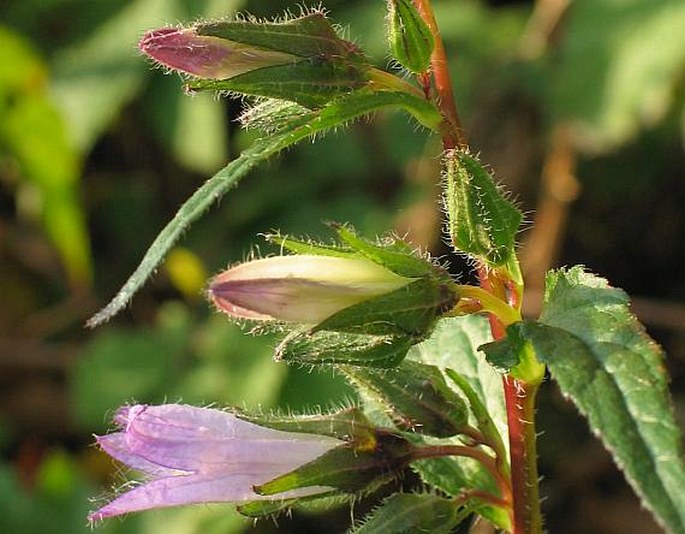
324 347
415 396
604 361
409 513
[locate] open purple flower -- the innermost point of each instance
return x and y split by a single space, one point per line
200 455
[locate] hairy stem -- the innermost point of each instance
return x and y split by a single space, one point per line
520 401
519 397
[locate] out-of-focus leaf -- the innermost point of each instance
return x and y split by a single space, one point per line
33 132
617 69
124 364
95 78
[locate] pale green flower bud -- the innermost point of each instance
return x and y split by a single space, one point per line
302 288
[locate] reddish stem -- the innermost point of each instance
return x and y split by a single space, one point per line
520 404
443 84
487 461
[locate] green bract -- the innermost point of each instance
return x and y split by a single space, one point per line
482 222
410 38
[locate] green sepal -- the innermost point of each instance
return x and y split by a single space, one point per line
349 424
310 36
405 513
415 396
299 246
394 254
482 222
348 469
324 347
411 40
315 503
410 310
309 83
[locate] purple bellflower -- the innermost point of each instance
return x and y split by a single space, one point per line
201 455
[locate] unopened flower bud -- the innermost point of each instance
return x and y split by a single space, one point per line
206 56
302 288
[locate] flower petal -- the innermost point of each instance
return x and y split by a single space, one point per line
187 438
193 489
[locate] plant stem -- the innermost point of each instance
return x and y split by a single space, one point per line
487 461
520 402
443 84
519 397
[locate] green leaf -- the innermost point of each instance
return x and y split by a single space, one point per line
313 504
324 347
482 222
604 361
454 344
411 40
415 396
409 513
313 248
334 114
408 311
347 468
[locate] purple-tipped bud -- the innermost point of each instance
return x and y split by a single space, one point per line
302 288
200 455
205 56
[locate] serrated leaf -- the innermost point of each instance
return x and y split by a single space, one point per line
408 311
604 361
348 469
334 114
326 347
482 222
409 513
415 396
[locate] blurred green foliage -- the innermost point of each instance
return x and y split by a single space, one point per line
97 151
